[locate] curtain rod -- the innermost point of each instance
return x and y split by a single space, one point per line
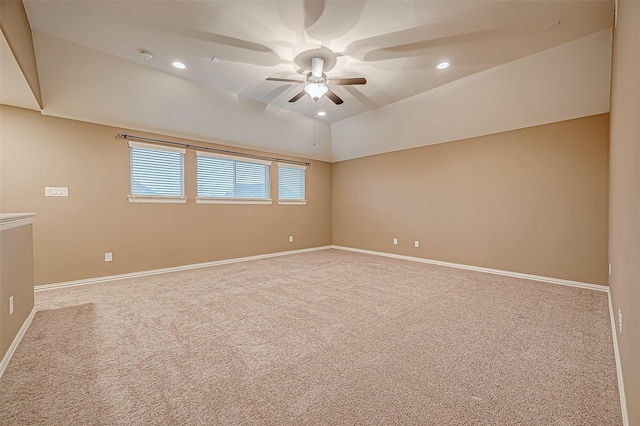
221 151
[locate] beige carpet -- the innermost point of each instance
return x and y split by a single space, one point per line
327 337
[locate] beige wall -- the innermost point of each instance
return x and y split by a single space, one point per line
16 279
71 234
16 29
532 200
624 223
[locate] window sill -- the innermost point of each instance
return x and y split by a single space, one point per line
205 200
156 199
293 202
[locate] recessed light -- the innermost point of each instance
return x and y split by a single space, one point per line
322 113
215 59
179 65
443 65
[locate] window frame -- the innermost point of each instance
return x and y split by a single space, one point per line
141 198
293 201
234 200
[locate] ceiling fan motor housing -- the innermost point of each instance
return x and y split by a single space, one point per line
317 64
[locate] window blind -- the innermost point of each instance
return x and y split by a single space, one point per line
291 182
227 177
156 170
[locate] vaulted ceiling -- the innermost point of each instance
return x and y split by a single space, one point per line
90 67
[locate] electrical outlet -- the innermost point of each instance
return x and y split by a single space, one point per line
620 320
609 269
395 241
290 238
108 257
417 244
11 305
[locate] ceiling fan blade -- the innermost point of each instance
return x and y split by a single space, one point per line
348 81
286 80
335 98
298 96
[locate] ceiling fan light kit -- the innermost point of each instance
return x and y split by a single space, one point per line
316 90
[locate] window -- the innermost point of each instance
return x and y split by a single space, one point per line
291 184
235 180
157 174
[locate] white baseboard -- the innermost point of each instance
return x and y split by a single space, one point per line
623 400
14 344
589 286
540 278
570 283
107 278
173 269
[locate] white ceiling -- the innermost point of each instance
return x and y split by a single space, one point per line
566 82
90 69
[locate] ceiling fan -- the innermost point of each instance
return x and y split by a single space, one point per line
317 84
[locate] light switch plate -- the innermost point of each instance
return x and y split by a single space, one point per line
56 191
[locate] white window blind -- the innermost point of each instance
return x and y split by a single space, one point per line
230 178
156 171
291 183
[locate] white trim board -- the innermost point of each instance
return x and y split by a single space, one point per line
14 220
16 341
560 281
540 278
108 278
623 400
